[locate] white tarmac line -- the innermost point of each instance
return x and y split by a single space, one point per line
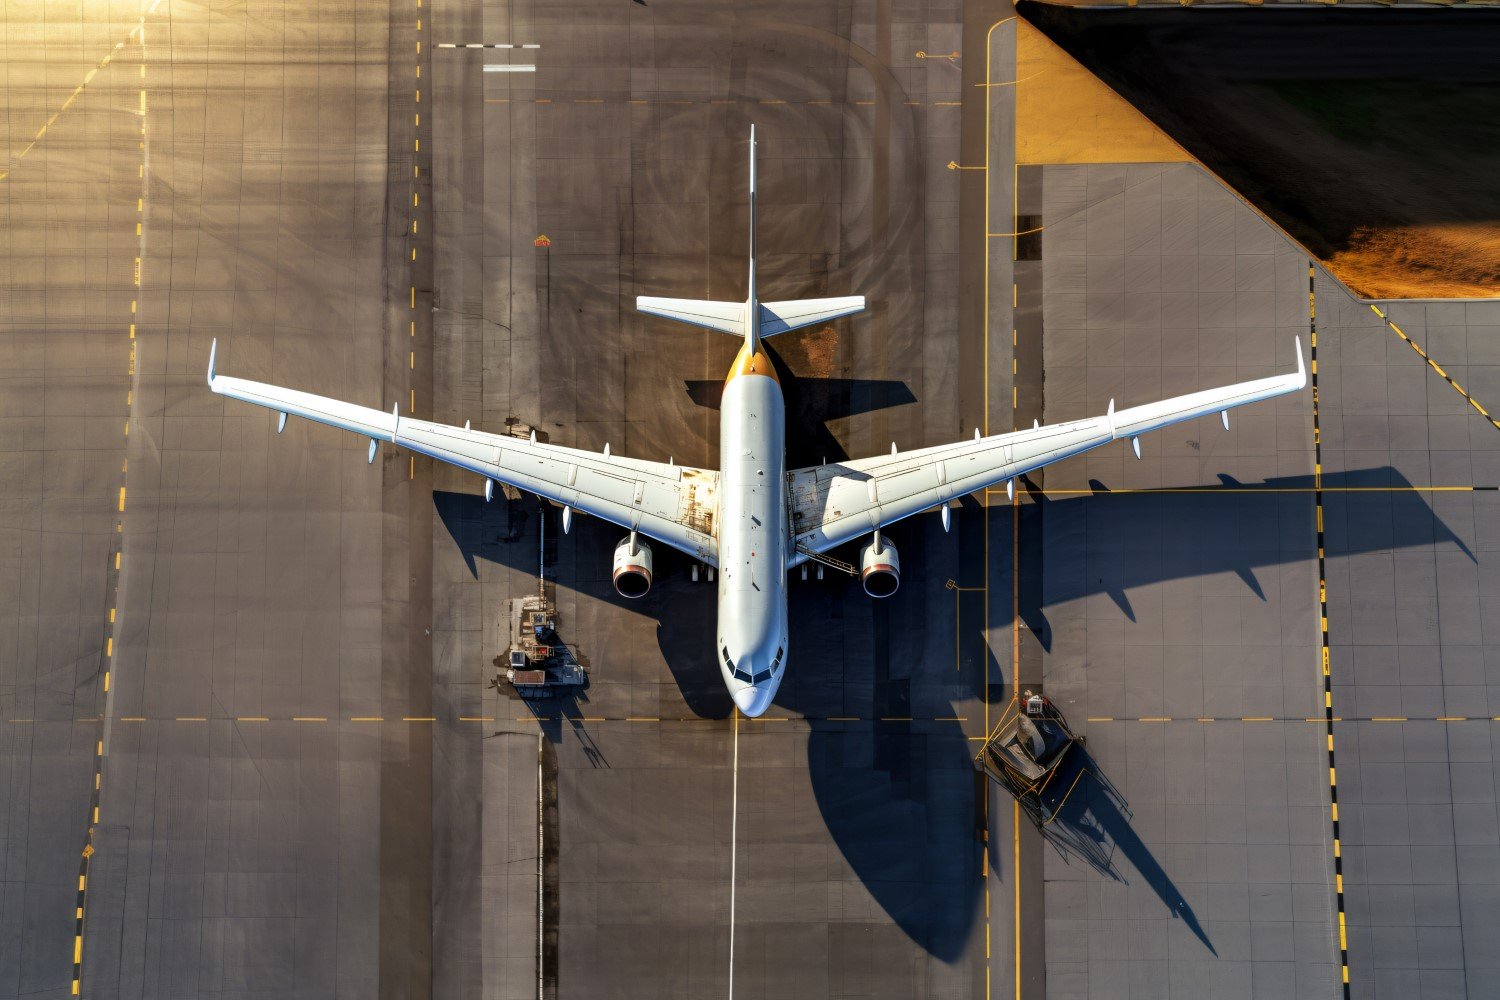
734 843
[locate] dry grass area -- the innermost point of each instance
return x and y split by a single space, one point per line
810 353
1065 114
1453 261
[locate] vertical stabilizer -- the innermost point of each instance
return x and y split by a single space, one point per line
751 318
752 333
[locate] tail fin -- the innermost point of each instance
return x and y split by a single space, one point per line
751 318
750 294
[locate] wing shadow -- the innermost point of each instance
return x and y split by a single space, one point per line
1111 543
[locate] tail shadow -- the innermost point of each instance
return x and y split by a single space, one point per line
810 403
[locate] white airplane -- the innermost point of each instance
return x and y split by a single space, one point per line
753 519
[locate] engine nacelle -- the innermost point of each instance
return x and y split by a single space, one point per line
879 567
632 567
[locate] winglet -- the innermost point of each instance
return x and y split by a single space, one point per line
1109 417
1301 365
212 353
395 421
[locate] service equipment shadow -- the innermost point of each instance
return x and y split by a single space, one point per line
1084 817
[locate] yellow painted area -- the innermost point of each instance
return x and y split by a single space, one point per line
748 363
1065 114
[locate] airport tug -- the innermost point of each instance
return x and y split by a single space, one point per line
1027 750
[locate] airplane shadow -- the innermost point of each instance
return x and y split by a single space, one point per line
888 791
899 801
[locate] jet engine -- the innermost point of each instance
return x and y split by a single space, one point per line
632 567
879 567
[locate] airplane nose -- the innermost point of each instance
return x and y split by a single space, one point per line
749 701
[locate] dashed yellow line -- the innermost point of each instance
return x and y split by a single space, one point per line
67 102
1243 488
136 35
416 173
1326 656
1434 365
1307 719
874 720
674 101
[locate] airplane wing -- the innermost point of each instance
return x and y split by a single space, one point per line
834 503
673 504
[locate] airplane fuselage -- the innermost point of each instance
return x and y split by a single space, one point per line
753 532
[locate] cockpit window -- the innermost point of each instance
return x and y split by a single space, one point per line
745 675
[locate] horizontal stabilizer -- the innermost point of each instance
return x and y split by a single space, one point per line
779 317
726 317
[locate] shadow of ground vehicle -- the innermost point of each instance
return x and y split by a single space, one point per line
1084 817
